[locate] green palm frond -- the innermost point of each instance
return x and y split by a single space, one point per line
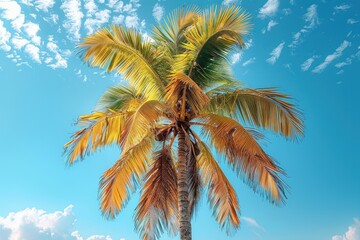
265 108
209 42
119 97
125 51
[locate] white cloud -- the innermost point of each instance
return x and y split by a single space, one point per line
31 29
32 223
11 10
4 38
351 21
90 7
54 48
269 9
353 232
158 11
33 52
311 17
118 19
235 58
275 54
332 57
18 22
229 2
101 17
270 25
307 64
249 61
44 5
73 15
252 222
342 7
19 42
132 21
311 21
348 61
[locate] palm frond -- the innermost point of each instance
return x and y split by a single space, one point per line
157 209
143 121
221 194
184 89
265 108
125 51
170 32
100 129
209 41
245 155
120 97
121 179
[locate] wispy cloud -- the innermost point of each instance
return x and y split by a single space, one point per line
11 10
270 25
353 232
235 58
249 61
97 20
342 7
269 9
252 222
307 64
275 53
351 21
73 13
330 58
347 62
229 2
32 223
33 52
4 38
311 21
158 11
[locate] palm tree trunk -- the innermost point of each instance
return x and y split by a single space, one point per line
183 201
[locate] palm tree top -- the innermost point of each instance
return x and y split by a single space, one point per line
181 94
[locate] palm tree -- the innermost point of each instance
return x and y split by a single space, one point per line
181 94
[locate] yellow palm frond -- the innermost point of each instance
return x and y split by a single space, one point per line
125 51
183 88
265 108
120 97
101 129
170 33
157 209
121 179
221 194
209 41
244 154
142 122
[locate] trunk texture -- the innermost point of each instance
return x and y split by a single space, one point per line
183 201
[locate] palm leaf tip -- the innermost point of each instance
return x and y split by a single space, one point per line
157 209
245 155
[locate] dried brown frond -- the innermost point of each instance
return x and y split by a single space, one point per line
244 154
157 209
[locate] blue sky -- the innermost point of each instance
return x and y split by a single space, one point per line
308 49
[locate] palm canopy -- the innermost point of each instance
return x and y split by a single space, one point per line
181 94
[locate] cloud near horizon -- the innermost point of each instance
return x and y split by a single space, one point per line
37 224
353 232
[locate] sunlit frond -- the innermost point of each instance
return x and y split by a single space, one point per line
184 89
244 154
221 194
265 108
125 51
100 129
142 121
157 209
120 97
170 32
209 42
121 179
